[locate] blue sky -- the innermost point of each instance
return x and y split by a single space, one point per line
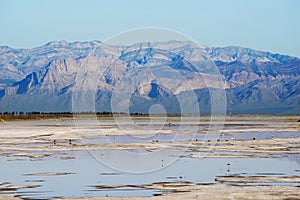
269 25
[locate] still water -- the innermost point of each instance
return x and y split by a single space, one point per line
76 173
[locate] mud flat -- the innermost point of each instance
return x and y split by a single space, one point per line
211 192
249 157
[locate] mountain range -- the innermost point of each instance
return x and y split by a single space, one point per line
133 78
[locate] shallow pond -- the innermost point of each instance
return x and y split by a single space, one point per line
77 173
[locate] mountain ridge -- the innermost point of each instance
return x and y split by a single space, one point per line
42 78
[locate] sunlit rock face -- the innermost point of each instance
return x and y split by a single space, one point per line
45 78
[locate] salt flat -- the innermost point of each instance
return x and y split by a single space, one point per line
241 156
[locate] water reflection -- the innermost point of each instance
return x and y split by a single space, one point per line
85 174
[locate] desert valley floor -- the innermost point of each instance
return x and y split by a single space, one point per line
137 157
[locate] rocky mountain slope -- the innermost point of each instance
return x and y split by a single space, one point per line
169 73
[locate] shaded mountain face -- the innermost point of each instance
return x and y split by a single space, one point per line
175 75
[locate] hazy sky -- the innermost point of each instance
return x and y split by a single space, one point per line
269 25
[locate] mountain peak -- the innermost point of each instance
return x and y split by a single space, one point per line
56 43
43 78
